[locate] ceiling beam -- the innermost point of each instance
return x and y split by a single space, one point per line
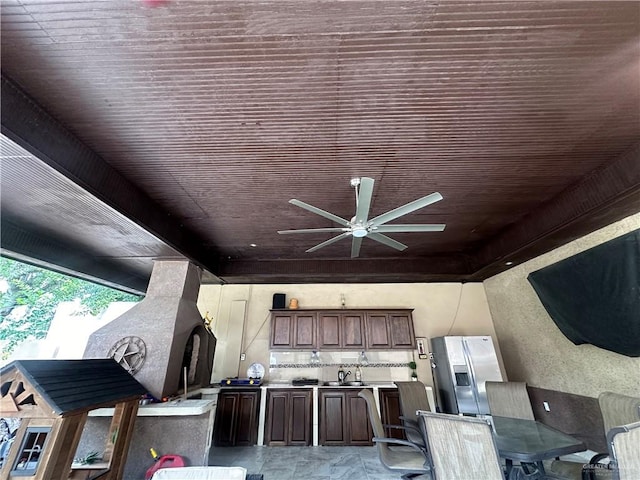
28 125
28 245
607 195
364 270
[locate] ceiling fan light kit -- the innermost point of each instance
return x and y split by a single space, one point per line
360 226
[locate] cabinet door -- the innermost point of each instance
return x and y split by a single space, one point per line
226 419
377 328
246 425
390 412
333 427
359 425
281 331
304 334
401 331
329 331
299 418
352 328
289 417
277 417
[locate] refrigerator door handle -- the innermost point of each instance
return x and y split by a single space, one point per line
472 374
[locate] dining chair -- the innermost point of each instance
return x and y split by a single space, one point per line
624 448
460 448
410 461
616 410
509 399
413 397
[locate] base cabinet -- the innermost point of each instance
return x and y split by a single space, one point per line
236 418
344 419
288 417
390 412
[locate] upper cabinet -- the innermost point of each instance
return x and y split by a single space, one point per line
380 329
378 336
341 330
401 330
293 330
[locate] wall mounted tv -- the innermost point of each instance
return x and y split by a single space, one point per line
594 296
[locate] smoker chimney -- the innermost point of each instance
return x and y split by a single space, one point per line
163 334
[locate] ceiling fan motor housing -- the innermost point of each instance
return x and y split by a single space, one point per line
359 231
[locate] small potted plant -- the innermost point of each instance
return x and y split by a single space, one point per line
414 374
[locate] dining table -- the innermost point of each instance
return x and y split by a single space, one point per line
529 442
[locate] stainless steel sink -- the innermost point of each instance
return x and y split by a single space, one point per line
354 384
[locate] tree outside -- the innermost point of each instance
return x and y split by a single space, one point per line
29 297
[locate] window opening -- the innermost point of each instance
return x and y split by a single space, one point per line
26 462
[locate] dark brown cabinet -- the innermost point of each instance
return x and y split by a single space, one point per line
293 330
341 330
289 417
344 419
389 330
380 329
377 328
390 412
236 418
401 330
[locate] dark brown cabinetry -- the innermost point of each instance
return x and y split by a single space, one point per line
293 330
341 330
344 419
377 328
288 417
389 330
401 330
236 418
390 412
380 329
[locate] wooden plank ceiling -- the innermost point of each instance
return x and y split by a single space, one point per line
524 115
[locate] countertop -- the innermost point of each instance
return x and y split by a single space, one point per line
166 409
289 385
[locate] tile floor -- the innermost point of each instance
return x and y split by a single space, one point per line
308 463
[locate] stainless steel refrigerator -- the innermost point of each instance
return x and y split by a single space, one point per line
461 365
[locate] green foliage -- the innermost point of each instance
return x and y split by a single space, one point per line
412 365
38 292
89 458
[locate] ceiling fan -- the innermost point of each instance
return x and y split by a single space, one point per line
361 226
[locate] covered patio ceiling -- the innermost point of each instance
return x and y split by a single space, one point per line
132 132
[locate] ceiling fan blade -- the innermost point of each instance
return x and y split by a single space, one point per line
329 242
355 246
318 211
390 242
434 227
405 209
364 199
313 230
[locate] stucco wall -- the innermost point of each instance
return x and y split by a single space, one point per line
533 348
241 314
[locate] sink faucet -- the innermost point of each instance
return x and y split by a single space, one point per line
342 376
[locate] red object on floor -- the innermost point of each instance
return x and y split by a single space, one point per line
165 461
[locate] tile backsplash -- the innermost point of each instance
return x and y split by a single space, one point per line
382 366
